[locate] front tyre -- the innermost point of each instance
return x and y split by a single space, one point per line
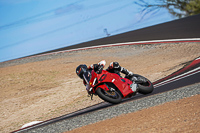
109 96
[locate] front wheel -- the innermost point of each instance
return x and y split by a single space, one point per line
109 96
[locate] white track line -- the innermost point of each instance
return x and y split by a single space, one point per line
138 42
184 75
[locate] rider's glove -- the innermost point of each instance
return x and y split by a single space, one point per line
102 63
100 68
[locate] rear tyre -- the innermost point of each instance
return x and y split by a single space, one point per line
145 87
109 96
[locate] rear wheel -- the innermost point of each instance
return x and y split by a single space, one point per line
145 87
109 96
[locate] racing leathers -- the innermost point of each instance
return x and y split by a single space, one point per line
114 67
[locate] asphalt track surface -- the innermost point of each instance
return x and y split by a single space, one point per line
176 80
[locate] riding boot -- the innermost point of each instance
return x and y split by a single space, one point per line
134 87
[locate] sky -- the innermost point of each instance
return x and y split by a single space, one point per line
29 27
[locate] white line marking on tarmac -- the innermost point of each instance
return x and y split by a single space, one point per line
184 75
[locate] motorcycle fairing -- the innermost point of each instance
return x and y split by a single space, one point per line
122 84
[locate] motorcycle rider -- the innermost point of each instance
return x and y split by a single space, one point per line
114 67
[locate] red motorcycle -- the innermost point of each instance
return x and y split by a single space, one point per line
113 88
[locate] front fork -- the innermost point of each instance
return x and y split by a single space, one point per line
91 92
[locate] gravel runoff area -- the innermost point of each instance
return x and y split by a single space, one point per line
114 111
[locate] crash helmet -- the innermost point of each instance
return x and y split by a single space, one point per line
81 69
114 65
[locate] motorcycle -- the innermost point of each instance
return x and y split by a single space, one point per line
113 88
